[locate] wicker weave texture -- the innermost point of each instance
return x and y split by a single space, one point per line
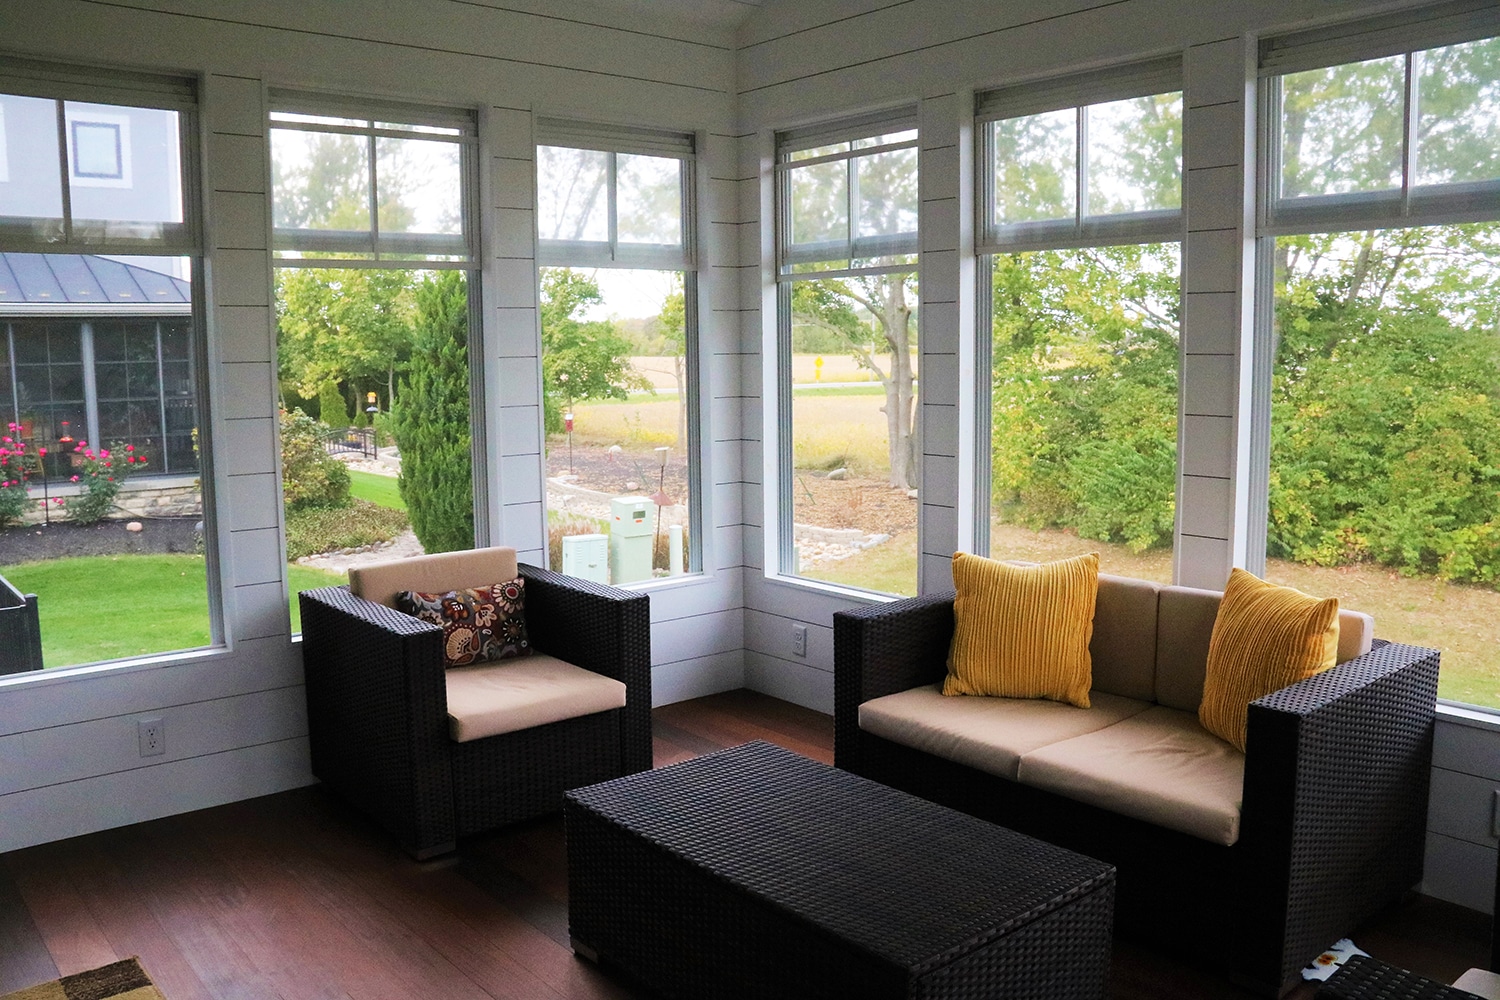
378 715
755 872
1365 978
1335 799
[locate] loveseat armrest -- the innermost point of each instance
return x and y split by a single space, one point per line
1335 797
600 628
377 713
880 649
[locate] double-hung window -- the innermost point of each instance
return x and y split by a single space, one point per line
1080 231
848 437
376 251
618 298
101 354
1377 365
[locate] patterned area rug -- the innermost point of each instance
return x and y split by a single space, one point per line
122 981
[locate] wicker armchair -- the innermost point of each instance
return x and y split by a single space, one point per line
1332 820
377 704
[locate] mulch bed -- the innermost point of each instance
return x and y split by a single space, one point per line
870 505
64 539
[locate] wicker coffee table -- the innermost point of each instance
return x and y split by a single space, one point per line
755 872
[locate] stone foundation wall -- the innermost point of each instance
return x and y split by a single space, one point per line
174 498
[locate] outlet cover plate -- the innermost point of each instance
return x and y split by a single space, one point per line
799 640
152 734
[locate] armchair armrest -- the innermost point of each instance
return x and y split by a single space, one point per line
880 649
600 628
377 713
1335 796
1366 978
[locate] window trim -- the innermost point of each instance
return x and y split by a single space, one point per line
784 144
639 141
401 251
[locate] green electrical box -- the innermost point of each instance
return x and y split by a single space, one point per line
630 527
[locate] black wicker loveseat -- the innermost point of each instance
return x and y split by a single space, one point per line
1334 798
377 707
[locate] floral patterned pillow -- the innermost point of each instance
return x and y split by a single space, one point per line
485 623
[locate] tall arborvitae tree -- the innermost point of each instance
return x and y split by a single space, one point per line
431 419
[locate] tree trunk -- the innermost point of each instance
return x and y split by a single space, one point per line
679 369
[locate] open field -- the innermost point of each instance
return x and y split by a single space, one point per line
659 370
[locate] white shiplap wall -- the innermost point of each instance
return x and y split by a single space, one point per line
235 722
801 62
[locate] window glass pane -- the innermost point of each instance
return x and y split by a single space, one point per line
816 151
124 164
909 135
648 199
820 205
94 394
572 194
1385 437
1036 160
32 187
290 116
420 186
1341 128
854 444
320 180
886 200
375 421
1458 113
616 393
1135 155
1084 406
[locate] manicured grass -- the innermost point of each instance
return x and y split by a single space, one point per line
888 568
95 608
300 578
106 607
377 489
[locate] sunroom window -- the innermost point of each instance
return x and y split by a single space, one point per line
848 436
618 299
1080 261
1380 240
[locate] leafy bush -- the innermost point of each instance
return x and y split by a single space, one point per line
310 477
99 475
431 419
13 474
332 409
312 530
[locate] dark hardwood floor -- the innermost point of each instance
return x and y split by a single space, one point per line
293 896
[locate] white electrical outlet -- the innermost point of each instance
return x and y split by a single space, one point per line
152 734
799 640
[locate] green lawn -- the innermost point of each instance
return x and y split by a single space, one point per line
375 488
91 608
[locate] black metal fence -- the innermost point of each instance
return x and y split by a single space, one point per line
350 440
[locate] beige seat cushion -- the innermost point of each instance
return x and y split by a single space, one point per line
988 734
433 574
488 699
1159 766
1480 982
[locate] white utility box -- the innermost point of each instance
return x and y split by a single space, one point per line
586 557
630 539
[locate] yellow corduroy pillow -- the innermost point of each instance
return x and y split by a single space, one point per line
1265 637
1023 631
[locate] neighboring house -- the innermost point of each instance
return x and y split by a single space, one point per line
97 350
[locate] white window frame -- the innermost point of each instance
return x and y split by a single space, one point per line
1078 92
1406 34
4 150
373 120
787 143
611 253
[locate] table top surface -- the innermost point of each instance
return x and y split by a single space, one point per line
904 877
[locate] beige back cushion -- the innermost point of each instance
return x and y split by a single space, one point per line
1123 648
433 574
1185 623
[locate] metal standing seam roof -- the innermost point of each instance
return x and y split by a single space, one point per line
34 281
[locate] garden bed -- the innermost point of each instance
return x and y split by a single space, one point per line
62 539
